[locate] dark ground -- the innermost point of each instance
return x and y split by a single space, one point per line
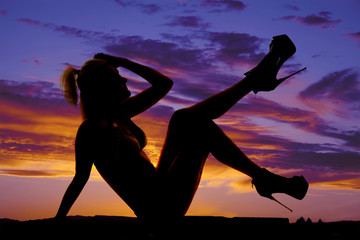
190 227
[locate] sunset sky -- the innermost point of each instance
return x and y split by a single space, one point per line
309 126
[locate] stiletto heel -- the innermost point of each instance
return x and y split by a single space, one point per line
278 82
268 183
272 198
281 49
275 200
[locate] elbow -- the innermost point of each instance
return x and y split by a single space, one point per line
165 86
168 84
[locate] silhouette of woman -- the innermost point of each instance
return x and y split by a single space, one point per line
109 139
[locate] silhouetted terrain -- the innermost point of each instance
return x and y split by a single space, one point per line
190 227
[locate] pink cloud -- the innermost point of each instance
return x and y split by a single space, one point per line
33 60
322 19
3 12
225 5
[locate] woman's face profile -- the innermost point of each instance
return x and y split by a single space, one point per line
117 84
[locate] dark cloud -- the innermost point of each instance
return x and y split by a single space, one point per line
322 19
34 123
188 22
292 7
341 85
310 159
305 120
33 173
223 5
39 95
145 8
3 12
217 47
35 61
68 31
275 151
340 88
355 36
184 40
236 47
166 54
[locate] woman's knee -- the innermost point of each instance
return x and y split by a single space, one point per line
182 117
187 119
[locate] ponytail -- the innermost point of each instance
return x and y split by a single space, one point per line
68 85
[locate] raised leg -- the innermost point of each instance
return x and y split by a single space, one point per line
192 135
217 105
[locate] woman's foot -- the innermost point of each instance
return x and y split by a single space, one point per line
264 75
268 183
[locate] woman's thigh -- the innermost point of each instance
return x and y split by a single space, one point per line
136 183
184 154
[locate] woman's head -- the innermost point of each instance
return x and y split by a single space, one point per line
100 84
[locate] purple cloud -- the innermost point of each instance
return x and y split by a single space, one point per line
32 114
188 22
223 5
354 36
145 8
41 95
312 159
167 54
33 60
340 88
68 31
305 120
292 7
236 47
322 19
32 173
3 12
181 54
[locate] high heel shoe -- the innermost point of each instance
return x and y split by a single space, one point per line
268 183
281 49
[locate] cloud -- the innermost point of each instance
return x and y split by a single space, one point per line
338 91
223 5
292 7
277 148
35 61
354 36
322 19
30 173
308 121
145 8
36 126
178 53
3 12
40 95
236 47
188 22
345 183
166 54
68 31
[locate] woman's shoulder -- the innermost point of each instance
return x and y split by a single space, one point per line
88 130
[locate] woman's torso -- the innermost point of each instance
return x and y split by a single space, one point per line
114 139
116 150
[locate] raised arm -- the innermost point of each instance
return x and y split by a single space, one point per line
160 84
